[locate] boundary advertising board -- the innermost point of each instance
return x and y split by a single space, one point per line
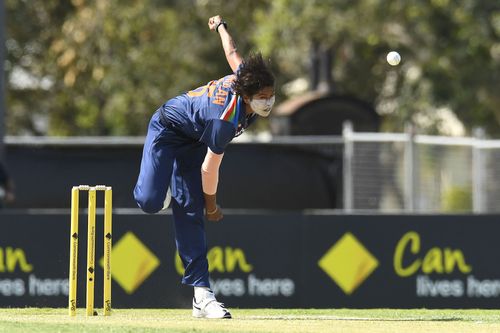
266 260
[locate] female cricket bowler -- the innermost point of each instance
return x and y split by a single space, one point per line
183 150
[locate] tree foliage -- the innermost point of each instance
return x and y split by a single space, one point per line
450 50
102 67
109 64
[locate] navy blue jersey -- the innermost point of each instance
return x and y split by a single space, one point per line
212 114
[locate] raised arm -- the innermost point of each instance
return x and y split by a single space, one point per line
233 58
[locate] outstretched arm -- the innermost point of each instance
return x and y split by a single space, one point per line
232 56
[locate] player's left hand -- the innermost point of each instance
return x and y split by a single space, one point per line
214 21
215 216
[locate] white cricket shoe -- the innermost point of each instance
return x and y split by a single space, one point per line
166 203
208 307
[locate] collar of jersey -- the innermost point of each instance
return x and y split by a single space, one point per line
235 112
239 107
240 111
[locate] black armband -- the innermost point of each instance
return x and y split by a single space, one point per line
219 24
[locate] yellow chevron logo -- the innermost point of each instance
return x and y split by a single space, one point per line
132 262
348 263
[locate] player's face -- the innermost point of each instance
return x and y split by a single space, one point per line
262 102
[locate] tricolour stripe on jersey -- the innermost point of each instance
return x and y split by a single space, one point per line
229 113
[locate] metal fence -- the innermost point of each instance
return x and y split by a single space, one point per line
375 172
418 173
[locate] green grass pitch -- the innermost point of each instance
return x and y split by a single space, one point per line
255 320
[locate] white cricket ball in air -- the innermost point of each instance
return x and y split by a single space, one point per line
393 58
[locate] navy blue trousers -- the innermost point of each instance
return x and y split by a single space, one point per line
171 159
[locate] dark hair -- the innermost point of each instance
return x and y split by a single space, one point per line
253 75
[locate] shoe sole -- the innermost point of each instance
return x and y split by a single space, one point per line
198 314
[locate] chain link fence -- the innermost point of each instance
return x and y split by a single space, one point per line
394 172
373 172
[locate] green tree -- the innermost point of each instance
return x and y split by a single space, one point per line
113 66
31 25
450 50
102 67
109 64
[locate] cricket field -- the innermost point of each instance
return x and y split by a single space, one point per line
256 320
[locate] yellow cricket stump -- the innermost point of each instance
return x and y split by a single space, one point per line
91 235
91 252
108 208
73 257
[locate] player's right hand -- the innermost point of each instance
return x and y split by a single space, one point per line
215 216
214 21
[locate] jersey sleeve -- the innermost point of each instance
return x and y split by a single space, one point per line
217 135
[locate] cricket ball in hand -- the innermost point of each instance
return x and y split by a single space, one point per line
393 58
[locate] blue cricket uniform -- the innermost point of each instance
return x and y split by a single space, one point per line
175 147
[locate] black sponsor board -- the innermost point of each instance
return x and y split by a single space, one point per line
265 260
267 168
